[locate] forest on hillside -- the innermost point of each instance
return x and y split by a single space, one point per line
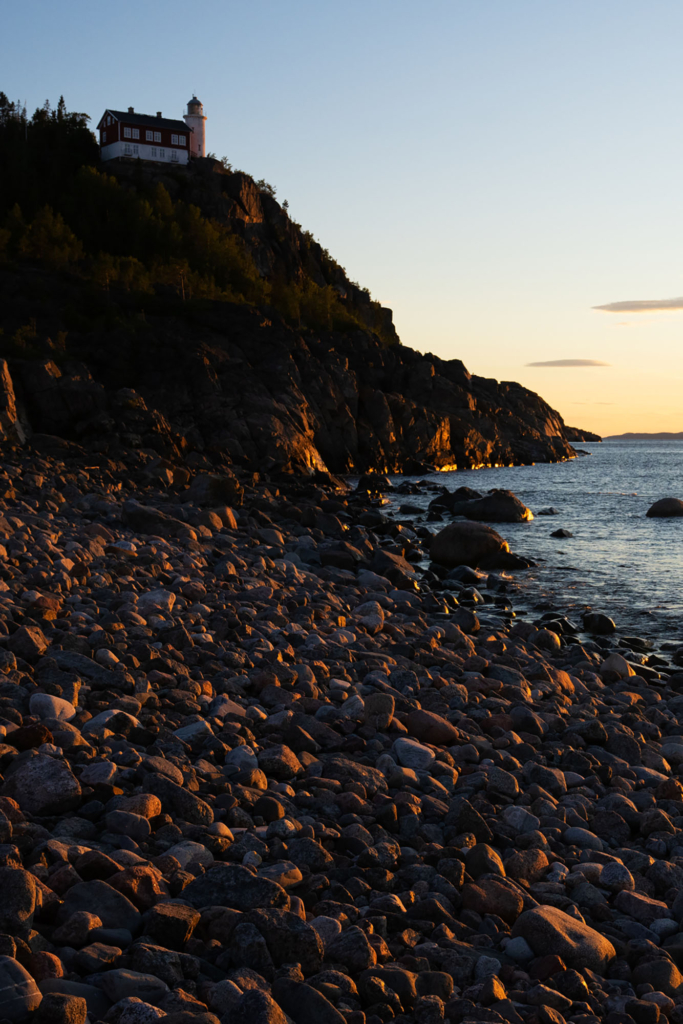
59 208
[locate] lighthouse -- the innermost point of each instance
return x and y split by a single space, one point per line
194 119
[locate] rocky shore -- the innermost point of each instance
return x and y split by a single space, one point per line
259 766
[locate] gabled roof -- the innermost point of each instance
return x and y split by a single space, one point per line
146 119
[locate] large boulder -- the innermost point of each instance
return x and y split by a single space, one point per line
235 886
42 785
470 544
665 508
498 506
19 994
550 931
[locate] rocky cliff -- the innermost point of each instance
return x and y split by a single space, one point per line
309 377
236 385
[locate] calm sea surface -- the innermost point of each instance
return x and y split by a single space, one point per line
617 561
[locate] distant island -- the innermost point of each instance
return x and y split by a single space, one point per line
661 436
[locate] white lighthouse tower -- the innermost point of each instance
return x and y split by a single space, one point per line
194 118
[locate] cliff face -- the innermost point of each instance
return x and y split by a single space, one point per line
235 384
242 387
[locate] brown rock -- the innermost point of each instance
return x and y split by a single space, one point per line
665 508
467 544
28 643
491 896
431 728
499 506
528 865
550 931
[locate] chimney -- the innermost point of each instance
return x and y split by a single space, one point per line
158 113
131 110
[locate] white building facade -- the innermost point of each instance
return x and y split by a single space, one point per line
155 139
195 120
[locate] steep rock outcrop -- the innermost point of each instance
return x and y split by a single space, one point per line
244 387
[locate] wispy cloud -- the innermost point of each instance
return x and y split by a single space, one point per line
641 305
569 362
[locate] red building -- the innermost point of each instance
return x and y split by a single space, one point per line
143 137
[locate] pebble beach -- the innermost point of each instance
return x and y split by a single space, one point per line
260 764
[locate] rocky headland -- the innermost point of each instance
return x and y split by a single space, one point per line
263 761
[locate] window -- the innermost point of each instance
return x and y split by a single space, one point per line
135 150
174 155
136 133
149 136
182 140
154 152
174 140
157 136
162 154
104 137
126 133
127 149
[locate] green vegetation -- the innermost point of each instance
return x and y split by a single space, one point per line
58 209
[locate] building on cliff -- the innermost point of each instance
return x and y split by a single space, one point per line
131 136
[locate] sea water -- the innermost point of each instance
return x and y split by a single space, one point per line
617 561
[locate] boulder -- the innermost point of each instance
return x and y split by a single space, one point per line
498 506
470 544
97 897
431 728
235 886
550 931
665 508
42 785
19 995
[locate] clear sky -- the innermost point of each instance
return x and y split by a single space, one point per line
490 169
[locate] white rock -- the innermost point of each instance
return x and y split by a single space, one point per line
160 601
328 928
194 731
412 754
99 773
353 709
188 852
100 720
486 967
42 705
520 819
242 757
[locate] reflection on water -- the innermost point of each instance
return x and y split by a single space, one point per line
618 560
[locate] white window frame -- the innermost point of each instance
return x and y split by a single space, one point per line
174 140
157 136
136 133
174 155
127 133
182 140
154 152
149 136
127 150
162 154
136 150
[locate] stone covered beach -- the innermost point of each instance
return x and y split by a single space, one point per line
258 766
